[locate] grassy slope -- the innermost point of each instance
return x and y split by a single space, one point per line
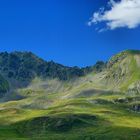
123 72
113 120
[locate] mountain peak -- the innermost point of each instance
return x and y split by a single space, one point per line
133 52
120 56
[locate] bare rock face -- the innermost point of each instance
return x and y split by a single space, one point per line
136 108
134 88
115 59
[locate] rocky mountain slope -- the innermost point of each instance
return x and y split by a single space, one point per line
26 66
22 67
124 69
122 72
4 86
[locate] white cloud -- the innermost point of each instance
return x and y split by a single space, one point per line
125 13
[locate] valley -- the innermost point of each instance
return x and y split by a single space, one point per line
47 101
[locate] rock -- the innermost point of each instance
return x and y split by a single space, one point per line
134 88
136 108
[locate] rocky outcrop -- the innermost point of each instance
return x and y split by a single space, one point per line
134 88
136 107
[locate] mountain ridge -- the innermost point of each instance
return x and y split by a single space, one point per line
25 66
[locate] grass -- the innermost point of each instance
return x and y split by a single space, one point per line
113 120
135 75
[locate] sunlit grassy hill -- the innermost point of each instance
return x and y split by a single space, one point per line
102 103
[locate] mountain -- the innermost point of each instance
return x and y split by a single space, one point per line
26 66
122 72
47 101
4 86
20 68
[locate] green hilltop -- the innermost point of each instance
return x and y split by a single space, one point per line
43 100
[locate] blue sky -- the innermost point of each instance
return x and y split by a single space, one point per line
57 30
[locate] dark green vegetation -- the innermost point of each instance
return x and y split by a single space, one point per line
4 86
47 101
